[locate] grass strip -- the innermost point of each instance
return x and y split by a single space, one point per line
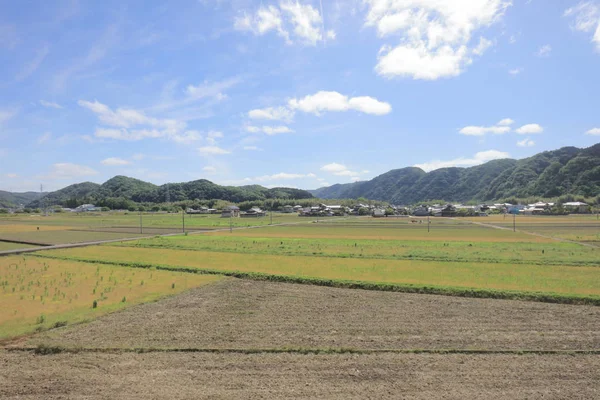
350 284
50 350
558 263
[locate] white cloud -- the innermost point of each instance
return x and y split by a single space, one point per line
252 148
289 19
212 136
529 128
211 89
483 45
341 170
212 150
586 18
187 137
593 131
132 125
505 122
544 51
68 171
334 101
114 162
11 176
50 104
209 169
482 130
44 138
305 19
34 64
420 62
525 143
272 114
434 35
269 130
515 71
127 117
478 158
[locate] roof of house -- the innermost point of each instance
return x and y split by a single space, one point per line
575 203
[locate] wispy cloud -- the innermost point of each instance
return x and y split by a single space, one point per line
95 54
34 64
50 104
544 51
114 162
64 171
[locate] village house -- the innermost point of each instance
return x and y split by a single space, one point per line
577 207
254 212
421 211
230 212
287 209
87 208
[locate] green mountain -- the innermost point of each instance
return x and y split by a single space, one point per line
9 199
121 191
568 170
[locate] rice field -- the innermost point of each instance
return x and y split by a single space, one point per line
38 294
579 281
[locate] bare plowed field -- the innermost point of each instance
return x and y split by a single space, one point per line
269 376
244 314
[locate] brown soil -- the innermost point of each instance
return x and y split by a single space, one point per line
269 376
248 314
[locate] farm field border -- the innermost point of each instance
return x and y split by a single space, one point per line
547 297
49 350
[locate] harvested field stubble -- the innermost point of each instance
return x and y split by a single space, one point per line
239 314
381 376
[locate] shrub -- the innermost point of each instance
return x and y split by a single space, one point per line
95 304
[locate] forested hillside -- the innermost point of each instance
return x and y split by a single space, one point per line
122 191
568 170
9 199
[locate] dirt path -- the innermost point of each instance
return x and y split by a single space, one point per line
532 234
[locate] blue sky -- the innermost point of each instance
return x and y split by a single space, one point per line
288 93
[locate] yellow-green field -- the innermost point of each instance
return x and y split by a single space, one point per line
452 255
37 293
583 228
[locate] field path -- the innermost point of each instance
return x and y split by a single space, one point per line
529 233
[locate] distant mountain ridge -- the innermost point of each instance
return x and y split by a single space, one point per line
117 191
10 199
568 170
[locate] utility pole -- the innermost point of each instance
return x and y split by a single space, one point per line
183 220
168 195
271 213
141 229
43 200
428 222
230 223
514 222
